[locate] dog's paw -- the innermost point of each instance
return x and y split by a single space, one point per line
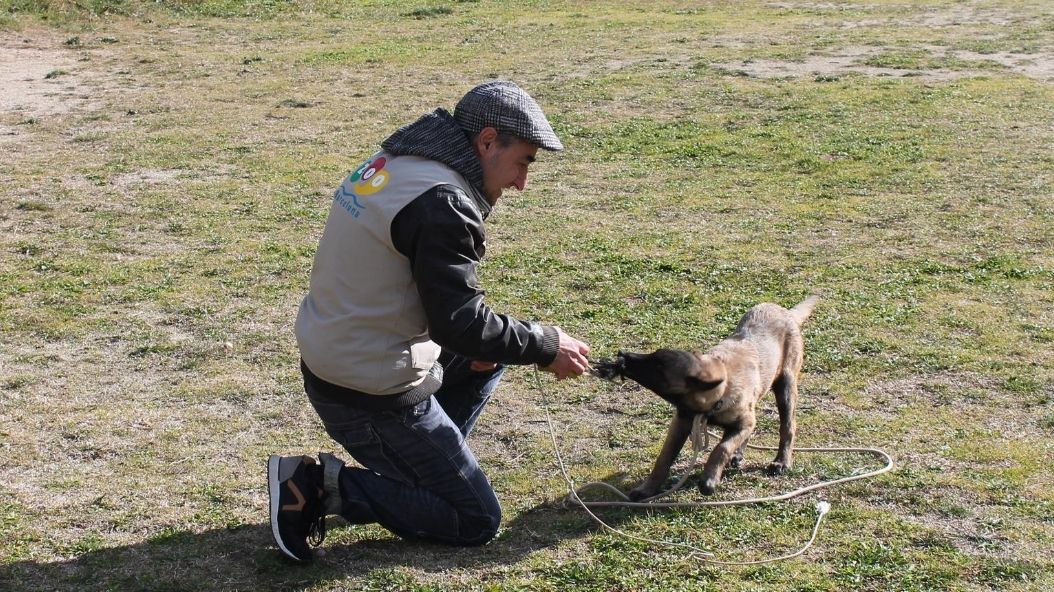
708 486
737 461
777 468
641 492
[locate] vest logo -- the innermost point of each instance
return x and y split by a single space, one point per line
367 180
371 177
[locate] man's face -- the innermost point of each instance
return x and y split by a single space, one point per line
503 166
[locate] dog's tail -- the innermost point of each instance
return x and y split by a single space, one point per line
804 308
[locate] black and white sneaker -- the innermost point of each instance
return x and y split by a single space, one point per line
295 487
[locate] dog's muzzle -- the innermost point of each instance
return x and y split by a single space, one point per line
609 369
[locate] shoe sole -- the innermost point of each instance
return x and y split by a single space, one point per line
274 485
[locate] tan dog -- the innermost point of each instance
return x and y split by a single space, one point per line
725 384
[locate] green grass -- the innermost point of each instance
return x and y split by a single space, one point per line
162 202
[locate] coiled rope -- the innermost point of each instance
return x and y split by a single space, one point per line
700 441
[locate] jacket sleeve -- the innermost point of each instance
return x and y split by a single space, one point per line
441 233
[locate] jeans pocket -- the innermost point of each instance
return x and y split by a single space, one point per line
369 449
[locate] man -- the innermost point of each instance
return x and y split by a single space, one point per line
398 349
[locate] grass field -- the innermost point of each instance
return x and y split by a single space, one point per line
165 172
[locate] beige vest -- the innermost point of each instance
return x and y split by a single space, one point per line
362 325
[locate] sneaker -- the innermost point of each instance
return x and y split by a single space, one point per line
297 518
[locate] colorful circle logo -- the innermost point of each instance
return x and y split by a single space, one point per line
372 184
371 177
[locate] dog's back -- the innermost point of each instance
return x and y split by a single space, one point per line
772 321
775 334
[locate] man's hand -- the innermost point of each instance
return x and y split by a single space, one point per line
481 366
570 358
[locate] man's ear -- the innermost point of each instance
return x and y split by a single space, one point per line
486 139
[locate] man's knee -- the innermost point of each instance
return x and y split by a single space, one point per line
479 530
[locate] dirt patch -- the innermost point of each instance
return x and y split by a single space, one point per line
849 60
1039 66
926 17
819 6
39 76
154 177
956 17
940 389
147 177
7 133
1034 65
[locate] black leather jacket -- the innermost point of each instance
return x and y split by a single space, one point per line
441 232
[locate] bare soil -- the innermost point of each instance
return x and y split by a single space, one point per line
39 76
1039 66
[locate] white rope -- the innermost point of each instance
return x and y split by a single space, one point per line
700 441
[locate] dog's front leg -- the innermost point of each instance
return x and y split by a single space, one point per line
737 458
732 440
680 427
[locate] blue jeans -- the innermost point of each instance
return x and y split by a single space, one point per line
420 479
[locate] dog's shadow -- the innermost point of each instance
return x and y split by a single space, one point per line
687 491
244 557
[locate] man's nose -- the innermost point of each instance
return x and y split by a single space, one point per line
520 182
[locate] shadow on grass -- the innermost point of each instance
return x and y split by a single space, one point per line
245 558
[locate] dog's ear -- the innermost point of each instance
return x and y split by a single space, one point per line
709 372
702 385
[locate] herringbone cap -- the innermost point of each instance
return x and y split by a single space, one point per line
507 108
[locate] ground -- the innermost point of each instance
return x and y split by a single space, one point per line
165 171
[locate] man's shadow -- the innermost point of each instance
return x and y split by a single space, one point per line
245 557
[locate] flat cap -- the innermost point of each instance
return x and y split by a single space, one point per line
507 108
